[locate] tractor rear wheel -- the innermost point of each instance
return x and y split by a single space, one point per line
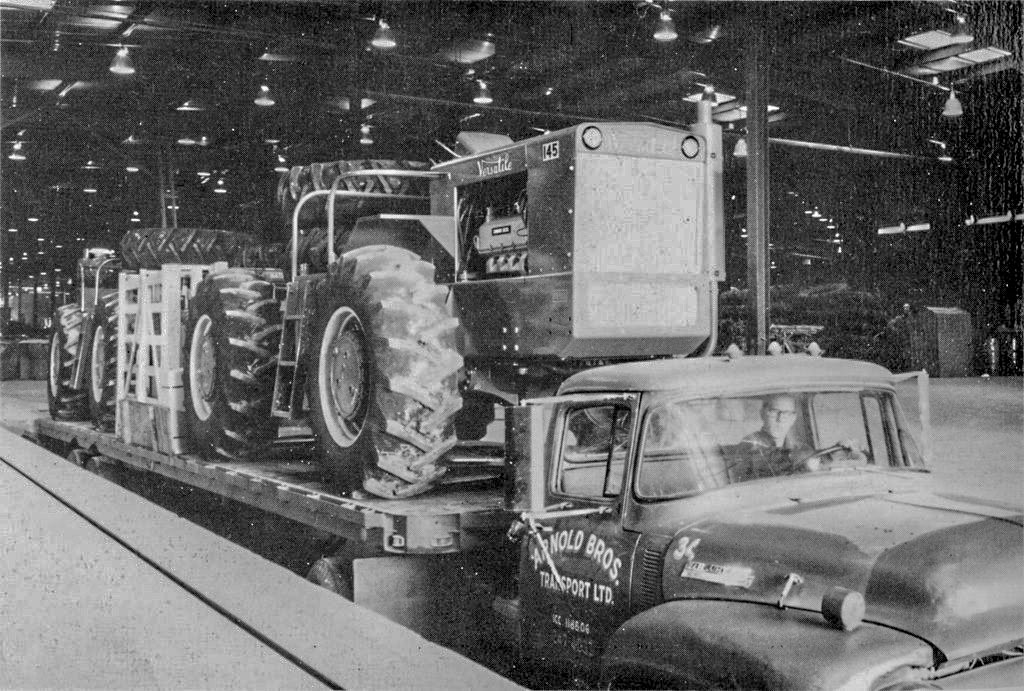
382 372
103 363
231 345
65 401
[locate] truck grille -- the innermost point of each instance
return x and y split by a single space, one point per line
648 593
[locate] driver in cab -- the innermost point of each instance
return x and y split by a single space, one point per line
774 449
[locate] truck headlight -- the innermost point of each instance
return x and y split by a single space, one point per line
843 608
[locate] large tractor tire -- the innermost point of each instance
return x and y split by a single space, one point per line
149 248
382 372
301 180
231 345
66 402
103 364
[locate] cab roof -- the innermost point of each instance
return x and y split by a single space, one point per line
722 375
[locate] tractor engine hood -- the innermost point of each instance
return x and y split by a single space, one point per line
941 568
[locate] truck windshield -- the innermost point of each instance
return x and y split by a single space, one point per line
691 446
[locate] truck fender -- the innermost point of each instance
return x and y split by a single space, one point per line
728 644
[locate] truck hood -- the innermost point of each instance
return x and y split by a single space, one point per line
945 569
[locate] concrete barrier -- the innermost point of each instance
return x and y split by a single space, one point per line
28 359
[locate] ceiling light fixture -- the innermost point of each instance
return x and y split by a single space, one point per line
282 165
384 38
132 169
740 151
483 94
122 64
953 107
666 29
220 189
708 36
192 105
364 135
16 154
263 98
961 32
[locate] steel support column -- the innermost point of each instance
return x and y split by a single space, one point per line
757 183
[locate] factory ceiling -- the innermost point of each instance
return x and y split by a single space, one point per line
87 149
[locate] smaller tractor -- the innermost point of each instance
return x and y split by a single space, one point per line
89 334
83 345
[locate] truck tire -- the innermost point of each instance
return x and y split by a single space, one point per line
102 376
149 248
231 346
65 402
382 372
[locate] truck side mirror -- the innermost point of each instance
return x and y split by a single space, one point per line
924 409
527 442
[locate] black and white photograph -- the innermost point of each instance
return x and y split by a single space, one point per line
486 344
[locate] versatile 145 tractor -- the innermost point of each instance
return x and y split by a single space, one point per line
524 264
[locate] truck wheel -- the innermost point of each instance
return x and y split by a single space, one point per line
149 248
382 372
231 344
103 364
66 402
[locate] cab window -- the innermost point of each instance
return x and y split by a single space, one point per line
595 446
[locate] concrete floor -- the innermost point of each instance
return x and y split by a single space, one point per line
977 435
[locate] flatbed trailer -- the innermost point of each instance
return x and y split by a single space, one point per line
451 519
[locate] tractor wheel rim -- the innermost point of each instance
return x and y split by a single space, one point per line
202 367
97 364
342 378
55 365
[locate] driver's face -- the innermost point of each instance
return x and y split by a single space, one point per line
778 415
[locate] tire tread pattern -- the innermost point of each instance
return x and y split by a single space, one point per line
246 332
415 385
64 401
102 410
149 248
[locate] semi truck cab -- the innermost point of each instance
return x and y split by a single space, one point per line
665 542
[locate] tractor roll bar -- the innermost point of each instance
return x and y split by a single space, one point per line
81 279
334 193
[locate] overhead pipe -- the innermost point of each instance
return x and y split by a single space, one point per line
849 149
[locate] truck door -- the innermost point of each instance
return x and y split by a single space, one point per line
576 562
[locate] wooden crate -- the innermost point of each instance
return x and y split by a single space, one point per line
152 309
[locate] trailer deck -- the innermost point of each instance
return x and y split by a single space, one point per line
451 519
